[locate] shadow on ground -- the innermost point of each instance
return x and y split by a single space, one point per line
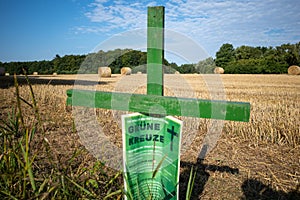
252 189
202 176
8 81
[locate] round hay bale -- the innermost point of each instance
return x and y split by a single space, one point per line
2 71
35 73
177 72
6 74
54 74
139 72
294 70
219 70
125 71
104 72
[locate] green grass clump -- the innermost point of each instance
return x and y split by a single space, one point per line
29 168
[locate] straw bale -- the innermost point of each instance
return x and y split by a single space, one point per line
54 74
294 70
177 72
104 72
6 74
139 72
125 71
35 73
219 70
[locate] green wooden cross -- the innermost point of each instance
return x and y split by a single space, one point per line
144 103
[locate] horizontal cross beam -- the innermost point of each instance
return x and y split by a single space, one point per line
160 105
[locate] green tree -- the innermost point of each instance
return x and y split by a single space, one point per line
247 52
225 55
206 66
130 58
290 53
187 69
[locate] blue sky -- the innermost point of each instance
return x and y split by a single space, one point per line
40 29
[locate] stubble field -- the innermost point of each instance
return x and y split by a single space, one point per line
259 159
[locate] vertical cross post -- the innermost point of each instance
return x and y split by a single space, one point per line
155 50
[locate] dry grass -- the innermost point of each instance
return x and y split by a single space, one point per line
252 160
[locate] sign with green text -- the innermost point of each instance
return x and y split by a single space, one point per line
151 156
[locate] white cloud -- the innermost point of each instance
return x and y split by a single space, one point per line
210 23
119 15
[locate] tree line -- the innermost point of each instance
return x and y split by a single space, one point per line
243 59
73 64
248 60
257 60
68 64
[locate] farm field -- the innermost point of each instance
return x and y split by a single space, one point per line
255 160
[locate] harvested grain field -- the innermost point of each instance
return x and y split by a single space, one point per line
255 160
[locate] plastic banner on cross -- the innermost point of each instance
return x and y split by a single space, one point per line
151 156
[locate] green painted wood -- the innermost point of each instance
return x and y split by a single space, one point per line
155 50
160 105
154 103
